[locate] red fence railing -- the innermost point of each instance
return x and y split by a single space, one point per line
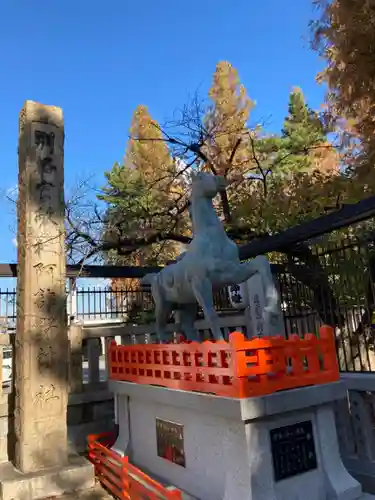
239 368
121 478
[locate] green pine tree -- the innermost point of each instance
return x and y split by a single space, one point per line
297 173
303 132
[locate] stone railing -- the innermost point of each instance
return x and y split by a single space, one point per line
91 406
355 422
92 340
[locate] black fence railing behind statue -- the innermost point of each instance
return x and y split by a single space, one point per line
7 308
102 303
327 280
330 280
328 277
326 274
129 305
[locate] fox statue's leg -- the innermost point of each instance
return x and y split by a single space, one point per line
163 310
188 314
203 292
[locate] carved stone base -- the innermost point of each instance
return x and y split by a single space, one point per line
78 475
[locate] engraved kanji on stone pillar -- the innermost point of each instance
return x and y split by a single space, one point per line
41 347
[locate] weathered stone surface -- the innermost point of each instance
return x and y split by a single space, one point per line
97 493
76 475
41 350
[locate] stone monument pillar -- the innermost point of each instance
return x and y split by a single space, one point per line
250 296
41 348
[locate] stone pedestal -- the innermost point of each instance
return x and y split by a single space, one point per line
75 476
229 449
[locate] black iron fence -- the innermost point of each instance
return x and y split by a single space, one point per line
101 303
330 280
326 280
326 274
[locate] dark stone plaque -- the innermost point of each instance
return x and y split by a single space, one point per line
293 450
170 441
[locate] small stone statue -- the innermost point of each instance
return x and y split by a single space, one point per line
210 263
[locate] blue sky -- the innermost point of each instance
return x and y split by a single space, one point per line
99 60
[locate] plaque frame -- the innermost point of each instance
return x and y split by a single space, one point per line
170 441
293 450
